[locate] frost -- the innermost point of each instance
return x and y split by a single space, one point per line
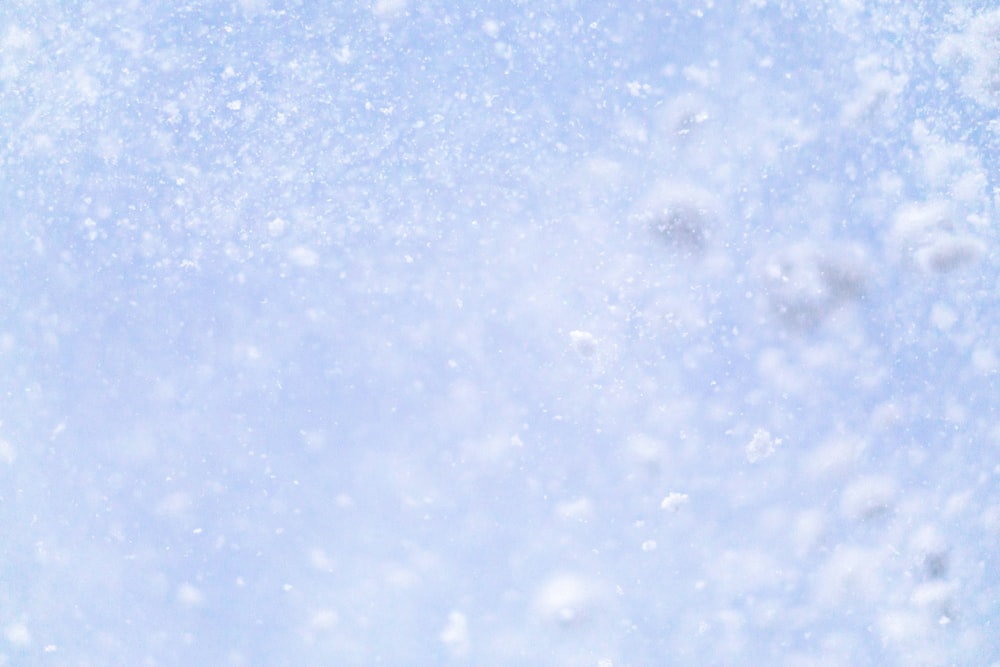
761 446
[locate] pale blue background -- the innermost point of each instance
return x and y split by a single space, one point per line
288 374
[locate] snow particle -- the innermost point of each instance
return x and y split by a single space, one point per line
303 256
949 253
674 501
925 232
175 505
761 446
805 283
868 497
189 596
17 634
679 215
324 619
455 634
580 509
565 598
984 360
387 9
583 342
973 52
276 227
7 454
645 450
943 317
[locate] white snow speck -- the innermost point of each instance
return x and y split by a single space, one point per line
947 253
637 89
234 105
323 619
456 633
679 215
943 317
761 446
175 505
674 501
565 598
343 54
276 227
580 509
974 50
645 450
984 360
852 573
805 282
878 90
868 497
7 454
189 596
385 9
836 457
925 231
17 634
583 342
303 256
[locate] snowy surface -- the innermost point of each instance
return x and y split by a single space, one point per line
407 333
